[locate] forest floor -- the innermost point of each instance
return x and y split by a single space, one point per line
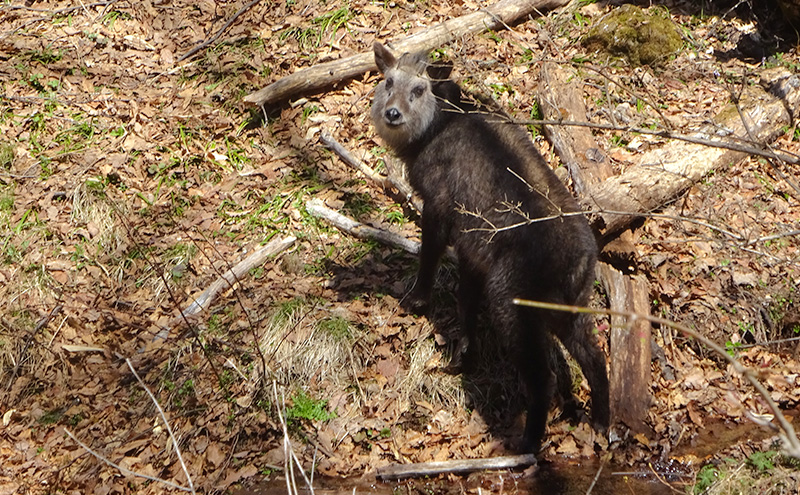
131 179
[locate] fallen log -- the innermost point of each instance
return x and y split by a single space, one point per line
418 470
495 16
662 174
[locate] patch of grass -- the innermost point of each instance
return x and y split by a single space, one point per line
183 393
333 21
35 81
499 88
367 436
45 56
336 326
619 141
51 417
77 137
536 114
75 419
177 258
305 407
779 60
526 57
271 214
761 472
308 111
6 155
110 18
394 214
359 249
310 38
732 348
6 201
358 205
579 19
288 308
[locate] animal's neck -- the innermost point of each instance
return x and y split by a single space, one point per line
409 151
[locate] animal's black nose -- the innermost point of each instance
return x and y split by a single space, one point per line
392 114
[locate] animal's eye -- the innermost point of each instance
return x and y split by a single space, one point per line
389 83
417 91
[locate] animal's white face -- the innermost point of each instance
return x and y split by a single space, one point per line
404 105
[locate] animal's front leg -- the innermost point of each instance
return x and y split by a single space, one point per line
434 242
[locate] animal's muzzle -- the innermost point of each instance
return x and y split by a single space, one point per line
393 115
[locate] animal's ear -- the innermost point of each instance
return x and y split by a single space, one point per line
440 71
383 57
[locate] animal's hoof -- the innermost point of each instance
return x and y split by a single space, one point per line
416 304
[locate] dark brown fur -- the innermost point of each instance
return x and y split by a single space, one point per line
479 180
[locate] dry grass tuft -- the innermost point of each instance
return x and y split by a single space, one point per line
426 382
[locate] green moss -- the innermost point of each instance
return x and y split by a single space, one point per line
634 35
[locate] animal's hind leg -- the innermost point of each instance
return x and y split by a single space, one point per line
563 378
470 288
578 339
530 346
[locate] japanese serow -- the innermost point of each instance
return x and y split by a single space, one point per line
489 193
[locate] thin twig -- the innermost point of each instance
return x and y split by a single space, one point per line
788 435
597 475
742 145
173 298
123 469
773 237
661 479
32 335
289 454
218 33
166 423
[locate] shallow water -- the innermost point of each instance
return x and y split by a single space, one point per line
552 478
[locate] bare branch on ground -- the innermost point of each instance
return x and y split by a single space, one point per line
218 33
418 470
121 468
392 179
316 208
232 276
352 161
